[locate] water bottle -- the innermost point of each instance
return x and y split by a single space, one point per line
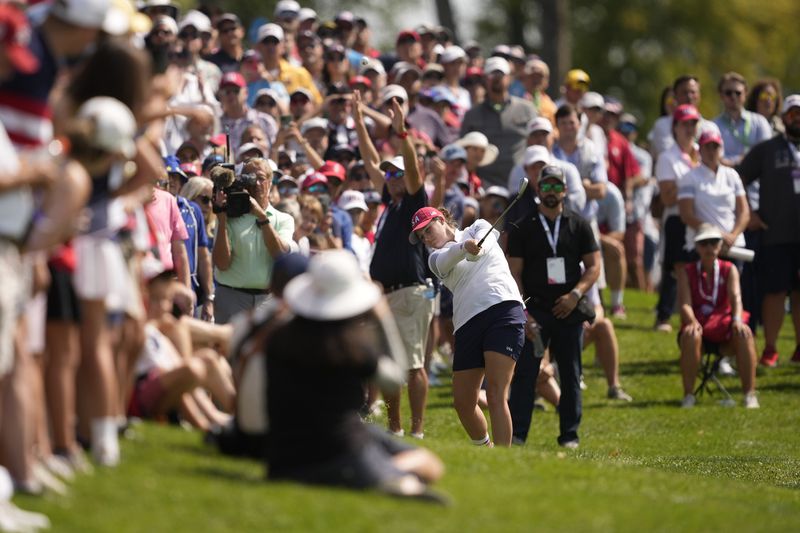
430 290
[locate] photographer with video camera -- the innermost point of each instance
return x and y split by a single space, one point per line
251 234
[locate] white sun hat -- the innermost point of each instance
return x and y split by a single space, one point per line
332 289
476 138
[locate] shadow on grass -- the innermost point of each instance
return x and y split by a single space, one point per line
634 368
635 404
255 477
780 387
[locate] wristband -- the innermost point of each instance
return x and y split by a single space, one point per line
577 293
736 318
403 135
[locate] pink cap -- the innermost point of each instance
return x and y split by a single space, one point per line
232 78
685 112
710 136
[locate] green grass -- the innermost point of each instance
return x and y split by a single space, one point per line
645 466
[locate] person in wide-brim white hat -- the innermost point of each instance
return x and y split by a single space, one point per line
479 151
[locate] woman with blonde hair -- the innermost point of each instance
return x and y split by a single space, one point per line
201 191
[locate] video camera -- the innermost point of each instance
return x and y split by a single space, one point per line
235 189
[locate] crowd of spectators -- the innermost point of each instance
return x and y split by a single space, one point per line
157 166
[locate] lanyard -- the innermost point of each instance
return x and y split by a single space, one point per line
715 291
552 240
734 130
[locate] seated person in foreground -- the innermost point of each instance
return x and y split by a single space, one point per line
176 368
712 316
341 337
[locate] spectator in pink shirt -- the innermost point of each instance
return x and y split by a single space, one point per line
170 231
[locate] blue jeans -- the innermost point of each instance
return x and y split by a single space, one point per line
565 343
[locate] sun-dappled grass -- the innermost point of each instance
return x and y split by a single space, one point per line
643 466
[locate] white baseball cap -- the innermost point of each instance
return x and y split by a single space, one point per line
368 64
393 91
351 199
114 125
592 99
197 19
494 64
306 13
495 190
270 30
98 14
793 100
452 53
286 6
536 154
540 124
396 162
316 122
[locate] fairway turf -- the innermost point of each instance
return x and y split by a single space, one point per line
643 466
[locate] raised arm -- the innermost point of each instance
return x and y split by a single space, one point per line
369 154
412 176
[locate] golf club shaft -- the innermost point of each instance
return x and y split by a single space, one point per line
502 216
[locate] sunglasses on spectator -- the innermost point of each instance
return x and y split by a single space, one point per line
394 174
551 187
266 102
204 199
188 35
767 97
709 242
318 187
287 190
732 92
270 40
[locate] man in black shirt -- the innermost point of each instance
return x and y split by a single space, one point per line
398 265
229 56
775 164
546 249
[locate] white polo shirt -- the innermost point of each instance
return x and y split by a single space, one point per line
672 165
476 284
714 196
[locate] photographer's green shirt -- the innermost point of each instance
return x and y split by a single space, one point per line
251 263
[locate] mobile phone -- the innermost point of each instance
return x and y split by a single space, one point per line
286 120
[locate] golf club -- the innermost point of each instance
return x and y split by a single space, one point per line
522 186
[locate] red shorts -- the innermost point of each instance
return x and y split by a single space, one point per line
147 392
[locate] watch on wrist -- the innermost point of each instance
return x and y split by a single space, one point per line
210 298
577 293
262 223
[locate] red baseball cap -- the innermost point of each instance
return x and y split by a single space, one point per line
313 179
405 34
710 136
476 72
423 217
232 78
685 112
332 169
15 35
355 80
191 169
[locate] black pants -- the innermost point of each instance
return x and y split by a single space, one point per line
565 343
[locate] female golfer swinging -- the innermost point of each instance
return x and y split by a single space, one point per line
488 318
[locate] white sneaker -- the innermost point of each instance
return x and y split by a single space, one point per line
751 401
688 401
60 467
582 384
725 368
398 433
418 436
12 518
48 480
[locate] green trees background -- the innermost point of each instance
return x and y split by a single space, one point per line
632 49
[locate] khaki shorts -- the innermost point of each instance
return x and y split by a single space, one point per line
413 313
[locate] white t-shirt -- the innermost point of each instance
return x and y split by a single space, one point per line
16 205
672 165
714 196
576 194
476 284
363 250
157 352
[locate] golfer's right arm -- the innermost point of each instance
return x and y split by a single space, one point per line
443 260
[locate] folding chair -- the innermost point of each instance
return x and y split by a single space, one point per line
709 366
